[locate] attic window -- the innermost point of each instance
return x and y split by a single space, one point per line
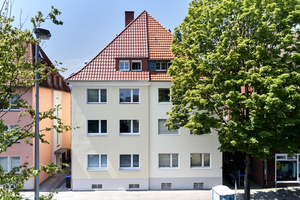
54 80
160 66
124 65
49 80
136 65
60 82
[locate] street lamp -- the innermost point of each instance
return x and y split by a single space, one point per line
42 34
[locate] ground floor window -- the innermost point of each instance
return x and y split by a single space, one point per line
287 168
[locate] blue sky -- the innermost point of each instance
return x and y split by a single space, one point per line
91 24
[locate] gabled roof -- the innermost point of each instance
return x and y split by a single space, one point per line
144 37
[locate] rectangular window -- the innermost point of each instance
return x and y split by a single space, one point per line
60 82
200 160
136 65
129 127
198 186
13 101
96 95
49 79
124 65
166 186
160 66
163 130
129 161
97 127
11 127
168 160
169 64
163 95
97 162
129 95
9 162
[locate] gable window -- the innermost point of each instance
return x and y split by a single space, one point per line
49 79
169 64
163 95
129 127
96 162
168 160
160 66
9 162
200 160
54 80
60 82
96 96
136 65
163 130
97 127
124 65
129 95
129 161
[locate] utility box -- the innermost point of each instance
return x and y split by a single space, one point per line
222 192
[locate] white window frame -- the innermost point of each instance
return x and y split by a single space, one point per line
202 162
99 96
171 161
164 102
9 160
100 162
99 123
124 61
49 81
160 67
136 61
60 82
172 132
131 95
131 162
131 127
55 80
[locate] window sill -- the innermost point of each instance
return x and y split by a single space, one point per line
96 102
165 103
168 168
167 134
96 134
129 133
129 102
96 169
287 181
200 167
129 169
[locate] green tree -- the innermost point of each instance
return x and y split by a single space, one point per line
241 55
17 76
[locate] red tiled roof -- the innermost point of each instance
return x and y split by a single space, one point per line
132 42
159 76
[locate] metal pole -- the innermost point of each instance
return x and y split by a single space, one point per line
36 139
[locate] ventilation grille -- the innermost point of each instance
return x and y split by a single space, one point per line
96 186
134 186
166 186
198 186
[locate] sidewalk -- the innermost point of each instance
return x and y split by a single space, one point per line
58 182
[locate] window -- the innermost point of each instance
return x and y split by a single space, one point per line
124 65
49 79
163 95
286 168
9 162
129 127
163 130
97 127
54 80
169 64
96 186
96 95
60 82
136 65
200 160
129 161
166 186
13 103
160 66
198 186
10 127
134 186
97 162
168 160
129 95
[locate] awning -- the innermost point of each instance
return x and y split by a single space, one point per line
61 150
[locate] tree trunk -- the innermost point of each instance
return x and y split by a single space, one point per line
247 177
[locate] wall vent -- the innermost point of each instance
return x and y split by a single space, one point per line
198 186
166 186
96 186
134 186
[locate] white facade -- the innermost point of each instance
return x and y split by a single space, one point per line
102 160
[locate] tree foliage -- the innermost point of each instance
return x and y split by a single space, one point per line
241 55
17 76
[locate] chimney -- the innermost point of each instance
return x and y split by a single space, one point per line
129 16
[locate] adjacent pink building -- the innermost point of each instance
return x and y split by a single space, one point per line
53 91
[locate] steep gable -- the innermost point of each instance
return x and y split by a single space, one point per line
143 38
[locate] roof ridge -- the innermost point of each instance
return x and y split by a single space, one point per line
109 44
